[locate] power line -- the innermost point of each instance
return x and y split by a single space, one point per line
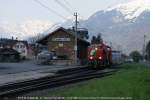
49 9
67 3
72 8
144 47
53 26
64 6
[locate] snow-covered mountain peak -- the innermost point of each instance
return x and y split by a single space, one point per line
132 9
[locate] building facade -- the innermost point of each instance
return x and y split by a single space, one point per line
9 55
62 42
18 45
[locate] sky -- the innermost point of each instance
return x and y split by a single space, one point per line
23 18
26 18
20 10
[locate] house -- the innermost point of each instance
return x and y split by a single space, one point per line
62 43
9 55
34 50
18 45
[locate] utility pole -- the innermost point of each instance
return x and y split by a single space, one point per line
111 45
144 48
76 47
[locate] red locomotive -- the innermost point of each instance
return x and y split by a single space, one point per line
99 55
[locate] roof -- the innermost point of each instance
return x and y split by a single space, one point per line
8 51
11 42
44 39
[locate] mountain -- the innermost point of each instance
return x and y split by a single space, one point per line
24 29
124 25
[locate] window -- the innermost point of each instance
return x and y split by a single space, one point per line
1 46
22 46
23 51
17 46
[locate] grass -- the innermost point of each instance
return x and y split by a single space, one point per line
132 80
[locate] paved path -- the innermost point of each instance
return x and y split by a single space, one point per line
147 63
13 72
10 78
12 68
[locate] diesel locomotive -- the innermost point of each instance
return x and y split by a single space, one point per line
99 55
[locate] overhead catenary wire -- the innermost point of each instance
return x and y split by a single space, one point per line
49 9
64 6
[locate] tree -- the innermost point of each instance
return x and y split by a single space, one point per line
32 41
97 40
148 50
136 56
93 41
35 38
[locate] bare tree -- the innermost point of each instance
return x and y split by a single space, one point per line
34 39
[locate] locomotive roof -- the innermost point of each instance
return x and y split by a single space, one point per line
99 45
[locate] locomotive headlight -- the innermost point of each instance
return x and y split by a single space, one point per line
96 48
91 58
100 58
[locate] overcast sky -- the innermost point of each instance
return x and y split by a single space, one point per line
19 10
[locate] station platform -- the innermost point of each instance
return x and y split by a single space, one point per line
24 75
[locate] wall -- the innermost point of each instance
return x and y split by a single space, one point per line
64 46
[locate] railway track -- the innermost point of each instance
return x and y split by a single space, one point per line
34 81
59 79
